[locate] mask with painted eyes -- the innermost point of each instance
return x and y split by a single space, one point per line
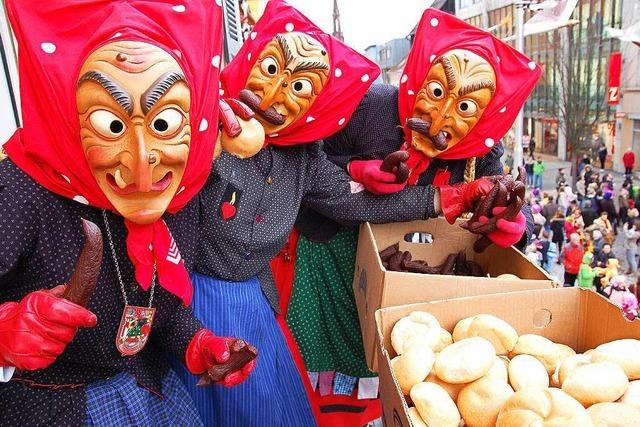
287 78
133 102
454 95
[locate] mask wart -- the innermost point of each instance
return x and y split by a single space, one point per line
133 103
286 80
455 93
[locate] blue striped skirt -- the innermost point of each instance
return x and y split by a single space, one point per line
273 395
120 401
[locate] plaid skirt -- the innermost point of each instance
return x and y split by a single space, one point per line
120 401
273 395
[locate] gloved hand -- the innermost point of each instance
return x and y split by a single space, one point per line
36 330
368 173
508 232
460 198
206 350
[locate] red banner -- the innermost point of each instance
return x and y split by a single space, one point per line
615 66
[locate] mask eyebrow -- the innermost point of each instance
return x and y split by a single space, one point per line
310 65
286 49
157 90
474 86
117 92
449 72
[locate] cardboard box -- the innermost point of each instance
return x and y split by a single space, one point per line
374 287
576 317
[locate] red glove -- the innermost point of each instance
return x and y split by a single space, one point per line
460 198
206 350
508 232
368 173
36 330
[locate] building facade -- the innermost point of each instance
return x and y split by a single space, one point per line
573 59
628 112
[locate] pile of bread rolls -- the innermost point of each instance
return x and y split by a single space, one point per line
485 374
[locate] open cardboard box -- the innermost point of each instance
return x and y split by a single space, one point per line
374 287
579 318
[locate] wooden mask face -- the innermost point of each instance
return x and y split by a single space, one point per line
458 88
289 75
133 103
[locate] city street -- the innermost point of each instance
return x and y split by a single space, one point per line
552 164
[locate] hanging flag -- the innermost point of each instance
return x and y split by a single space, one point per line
615 67
552 14
629 34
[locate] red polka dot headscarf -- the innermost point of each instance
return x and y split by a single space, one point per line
350 76
516 75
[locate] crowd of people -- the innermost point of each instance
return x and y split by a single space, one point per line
576 230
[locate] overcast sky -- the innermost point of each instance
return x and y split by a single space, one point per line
365 22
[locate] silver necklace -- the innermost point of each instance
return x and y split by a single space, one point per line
136 322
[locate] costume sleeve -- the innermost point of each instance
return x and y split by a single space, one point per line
177 332
18 232
490 164
372 131
329 190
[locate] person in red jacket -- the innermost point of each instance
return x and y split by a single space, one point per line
629 161
572 257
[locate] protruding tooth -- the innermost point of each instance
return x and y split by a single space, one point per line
119 181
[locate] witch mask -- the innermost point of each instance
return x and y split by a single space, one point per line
454 95
290 73
133 103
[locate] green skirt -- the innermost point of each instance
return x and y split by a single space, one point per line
322 313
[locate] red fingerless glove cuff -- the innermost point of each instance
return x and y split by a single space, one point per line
451 202
193 358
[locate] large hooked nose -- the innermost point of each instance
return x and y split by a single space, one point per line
273 91
142 168
440 118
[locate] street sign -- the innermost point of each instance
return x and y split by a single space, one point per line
615 65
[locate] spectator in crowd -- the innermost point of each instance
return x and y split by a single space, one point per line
560 178
574 223
538 219
538 170
581 190
543 247
588 213
557 228
566 199
603 224
508 163
532 147
623 203
602 152
597 240
587 175
619 294
601 258
583 163
528 167
631 234
572 258
629 161
549 211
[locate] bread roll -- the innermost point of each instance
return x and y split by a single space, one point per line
248 143
418 325
435 406
445 340
542 408
508 276
625 353
413 366
415 419
632 395
543 349
461 329
498 370
571 363
480 401
465 361
565 351
499 333
595 383
612 414
525 371
452 389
